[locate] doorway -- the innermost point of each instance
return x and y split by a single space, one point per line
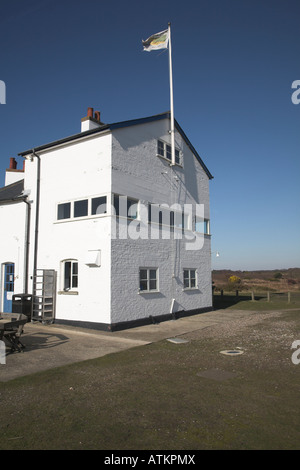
8 286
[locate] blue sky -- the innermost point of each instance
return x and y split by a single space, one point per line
234 62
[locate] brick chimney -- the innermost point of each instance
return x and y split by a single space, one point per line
12 163
91 121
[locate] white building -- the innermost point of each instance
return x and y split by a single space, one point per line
76 217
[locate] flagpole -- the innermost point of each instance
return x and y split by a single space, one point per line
172 130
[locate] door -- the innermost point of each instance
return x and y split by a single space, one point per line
9 280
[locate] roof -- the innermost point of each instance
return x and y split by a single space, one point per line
119 125
12 192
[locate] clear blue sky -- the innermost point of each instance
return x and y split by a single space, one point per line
233 64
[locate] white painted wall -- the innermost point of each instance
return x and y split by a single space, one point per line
12 176
75 171
138 173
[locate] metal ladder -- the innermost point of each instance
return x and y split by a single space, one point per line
44 295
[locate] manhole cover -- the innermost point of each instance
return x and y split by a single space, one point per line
177 340
232 352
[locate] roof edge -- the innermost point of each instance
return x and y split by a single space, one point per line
193 150
119 125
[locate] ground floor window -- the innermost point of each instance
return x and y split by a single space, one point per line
148 279
70 275
189 279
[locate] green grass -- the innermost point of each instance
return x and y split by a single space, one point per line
278 301
152 397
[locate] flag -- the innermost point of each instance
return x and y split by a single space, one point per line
157 41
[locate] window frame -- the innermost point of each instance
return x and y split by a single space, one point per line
205 223
148 280
72 203
130 201
167 150
60 204
190 278
78 201
73 287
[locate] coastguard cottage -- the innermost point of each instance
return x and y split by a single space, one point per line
101 229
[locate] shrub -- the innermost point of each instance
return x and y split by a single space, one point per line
234 282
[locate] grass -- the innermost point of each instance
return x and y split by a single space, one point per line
278 301
152 397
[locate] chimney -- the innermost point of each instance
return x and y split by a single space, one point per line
97 116
12 163
91 121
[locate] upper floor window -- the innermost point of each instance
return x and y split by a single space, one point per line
126 206
64 211
168 217
82 208
99 205
165 150
202 225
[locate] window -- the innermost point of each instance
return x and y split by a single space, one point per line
70 275
148 279
189 279
168 217
126 207
202 225
165 150
99 205
179 220
81 208
91 206
64 211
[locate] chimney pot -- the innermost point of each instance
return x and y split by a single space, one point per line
12 163
90 112
97 115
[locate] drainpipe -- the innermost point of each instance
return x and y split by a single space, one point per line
27 243
37 212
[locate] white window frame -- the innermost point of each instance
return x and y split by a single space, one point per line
165 152
73 287
148 279
190 278
202 225
89 200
